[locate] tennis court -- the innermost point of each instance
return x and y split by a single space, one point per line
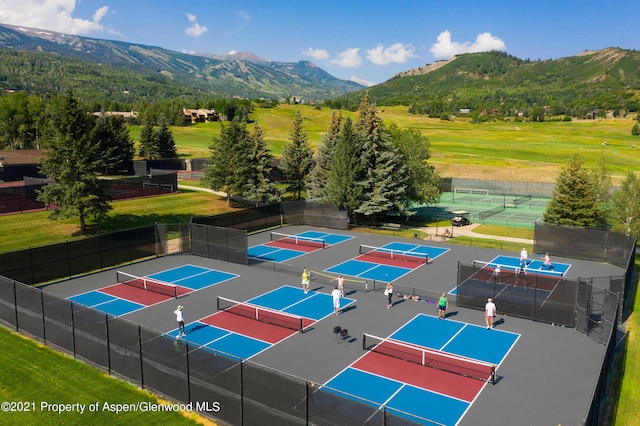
484 207
242 330
387 263
284 247
433 376
132 293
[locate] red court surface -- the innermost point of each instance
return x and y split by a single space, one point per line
292 246
140 295
410 262
453 385
250 327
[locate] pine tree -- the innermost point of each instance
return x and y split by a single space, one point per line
317 188
575 200
148 147
297 157
116 146
386 177
342 186
260 186
229 167
165 143
625 206
72 162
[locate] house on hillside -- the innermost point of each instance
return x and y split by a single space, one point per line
126 116
200 115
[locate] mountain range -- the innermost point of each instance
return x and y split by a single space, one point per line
241 74
46 62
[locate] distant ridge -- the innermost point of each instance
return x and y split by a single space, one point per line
239 74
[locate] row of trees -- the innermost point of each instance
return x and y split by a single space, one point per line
585 198
24 118
362 166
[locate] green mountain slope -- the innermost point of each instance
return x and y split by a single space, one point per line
219 77
607 79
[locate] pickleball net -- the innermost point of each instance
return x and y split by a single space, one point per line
260 313
147 284
431 358
387 253
298 240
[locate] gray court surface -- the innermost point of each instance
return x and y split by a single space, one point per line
547 379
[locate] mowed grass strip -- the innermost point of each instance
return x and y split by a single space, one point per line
33 376
24 230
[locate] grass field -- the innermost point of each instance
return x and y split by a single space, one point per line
507 151
34 376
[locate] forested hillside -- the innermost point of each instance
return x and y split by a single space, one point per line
501 84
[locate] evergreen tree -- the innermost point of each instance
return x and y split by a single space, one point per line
386 176
166 144
229 167
260 186
148 147
72 162
342 187
423 185
317 188
115 145
575 200
297 157
625 206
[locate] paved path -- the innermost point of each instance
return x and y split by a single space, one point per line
467 231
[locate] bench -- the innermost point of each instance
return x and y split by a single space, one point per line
390 226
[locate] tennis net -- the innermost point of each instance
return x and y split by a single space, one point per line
522 199
431 358
298 240
262 314
144 283
487 213
387 253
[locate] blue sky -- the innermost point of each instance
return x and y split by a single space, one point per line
367 41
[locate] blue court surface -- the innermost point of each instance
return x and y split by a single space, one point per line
426 401
381 270
534 266
293 300
274 252
189 277
313 306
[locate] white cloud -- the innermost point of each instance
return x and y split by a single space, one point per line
445 48
54 15
350 58
196 30
396 53
243 22
317 54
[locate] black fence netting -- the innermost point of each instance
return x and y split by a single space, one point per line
284 395
543 298
232 390
251 219
64 260
596 244
315 214
215 242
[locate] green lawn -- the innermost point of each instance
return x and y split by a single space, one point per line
34 378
